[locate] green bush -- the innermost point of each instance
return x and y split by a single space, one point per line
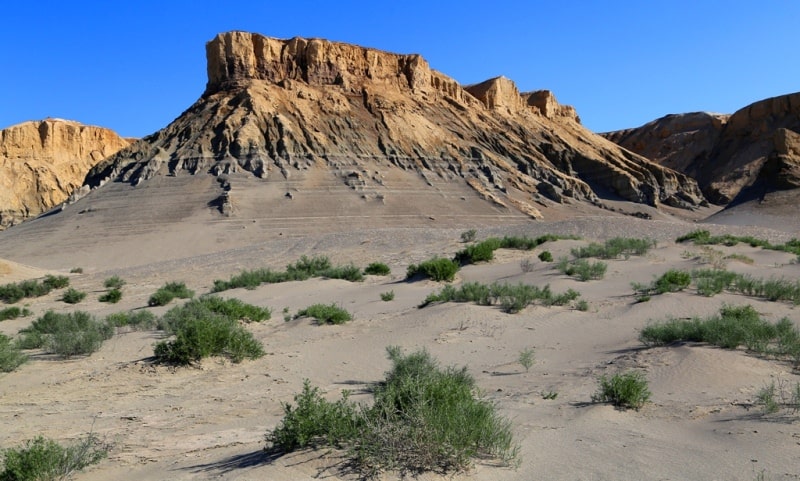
56 282
113 296
546 256
526 358
42 459
582 305
11 293
168 292
437 268
13 313
627 391
423 418
114 282
137 320
734 326
235 309
614 248
326 314
303 269
73 296
511 298
66 334
10 355
387 296
377 269
582 269
201 332
480 252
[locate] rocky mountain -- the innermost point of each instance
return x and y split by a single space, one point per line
42 162
746 155
300 110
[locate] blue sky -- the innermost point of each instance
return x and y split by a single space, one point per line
135 66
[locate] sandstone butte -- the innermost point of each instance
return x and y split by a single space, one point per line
736 157
280 109
43 162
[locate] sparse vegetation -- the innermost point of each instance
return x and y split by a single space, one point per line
484 250
627 390
326 314
437 268
14 292
65 334
734 326
712 281
582 269
377 269
775 396
114 282
615 248
423 418
468 235
43 459
671 281
113 296
73 296
76 270
704 237
303 269
10 355
13 313
137 320
387 296
168 292
208 327
526 358
511 298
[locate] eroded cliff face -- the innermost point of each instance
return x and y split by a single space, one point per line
276 107
42 162
749 153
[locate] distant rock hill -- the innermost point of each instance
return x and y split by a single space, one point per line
297 110
747 155
42 162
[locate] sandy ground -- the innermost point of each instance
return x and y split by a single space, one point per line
208 421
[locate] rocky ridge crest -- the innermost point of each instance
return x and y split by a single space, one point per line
283 107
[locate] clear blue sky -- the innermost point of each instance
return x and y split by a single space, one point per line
134 66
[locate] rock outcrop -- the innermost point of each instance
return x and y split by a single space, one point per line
750 153
282 107
42 162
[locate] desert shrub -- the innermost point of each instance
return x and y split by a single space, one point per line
199 332
168 292
527 265
113 296
710 282
326 314
11 293
114 282
10 355
511 298
43 459
526 358
546 256
308 267
73 296
56 282
137 320
526 243
468 235
423 418
13 313
480 252
76 270
775 396
387 296
304 268
377 269
701 237
614 248
627 391
582 305
66 334
734 326
437 268
235 309
582 269
671 281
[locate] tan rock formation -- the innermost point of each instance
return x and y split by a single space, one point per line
42 162
284 107
749 153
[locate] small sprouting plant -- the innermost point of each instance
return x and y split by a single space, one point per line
526 358
387 296
549 395
627 391
766 397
